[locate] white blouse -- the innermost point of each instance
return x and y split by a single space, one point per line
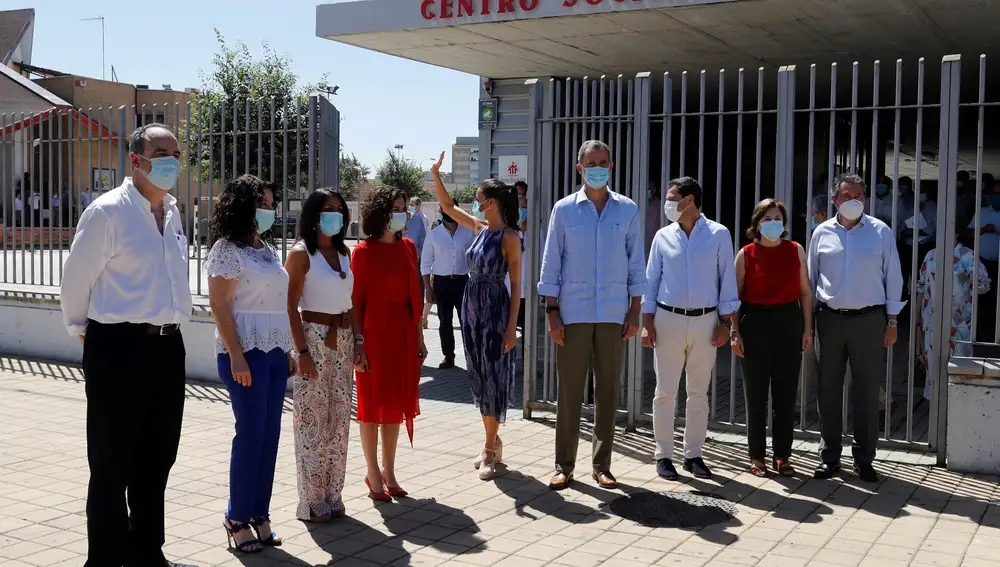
260 306
323 290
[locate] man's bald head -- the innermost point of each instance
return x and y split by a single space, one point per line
145 138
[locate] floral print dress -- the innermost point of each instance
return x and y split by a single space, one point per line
961 300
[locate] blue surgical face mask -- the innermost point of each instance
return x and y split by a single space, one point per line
265 220
772 229
813 224
331 222
522 214
397 222
881 189
164 171
412 210
596 177
440 217
923 198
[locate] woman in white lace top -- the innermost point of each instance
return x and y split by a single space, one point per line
247 290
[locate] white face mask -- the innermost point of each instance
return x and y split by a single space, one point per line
852 210
671 211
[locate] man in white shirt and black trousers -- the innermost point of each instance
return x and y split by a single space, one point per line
688 313
856 277
124 294
445 269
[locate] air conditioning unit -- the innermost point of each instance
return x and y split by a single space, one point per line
142 87
167 88
189 90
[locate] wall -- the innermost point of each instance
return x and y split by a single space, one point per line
510 137
33 328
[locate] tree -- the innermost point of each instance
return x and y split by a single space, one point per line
464 195
245 105
401 173
352 175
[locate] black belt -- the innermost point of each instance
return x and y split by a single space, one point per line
451 277
161 330
686 312
851 312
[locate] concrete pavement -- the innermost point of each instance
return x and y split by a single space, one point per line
918 516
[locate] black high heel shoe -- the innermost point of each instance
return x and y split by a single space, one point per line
248 546
272 539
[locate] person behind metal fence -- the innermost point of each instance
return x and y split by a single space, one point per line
522 227
247 291
329 345
387 305
592 279
688 313
771 331
489 309
857 281
124 295
445 270
989 253
416 230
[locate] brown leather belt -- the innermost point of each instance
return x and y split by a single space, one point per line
334 322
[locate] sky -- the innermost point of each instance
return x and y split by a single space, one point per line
384 100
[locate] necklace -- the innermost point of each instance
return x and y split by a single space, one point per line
338 269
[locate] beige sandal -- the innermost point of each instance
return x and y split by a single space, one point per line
499 455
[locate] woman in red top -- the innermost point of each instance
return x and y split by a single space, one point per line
387 302
774 327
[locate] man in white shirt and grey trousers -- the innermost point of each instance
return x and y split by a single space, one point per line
124 295
688 313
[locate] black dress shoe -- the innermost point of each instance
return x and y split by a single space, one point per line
666 469
866 472
448 362
697 467
826 470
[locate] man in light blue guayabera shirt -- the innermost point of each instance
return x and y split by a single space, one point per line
592 278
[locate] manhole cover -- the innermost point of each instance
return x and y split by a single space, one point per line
673 509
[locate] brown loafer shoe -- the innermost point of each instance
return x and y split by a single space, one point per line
560 480
606 480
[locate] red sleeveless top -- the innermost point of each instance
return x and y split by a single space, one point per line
771 274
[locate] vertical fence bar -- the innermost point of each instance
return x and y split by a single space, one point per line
7 184
832 156
981 118
538 171
63 195
951 76
246 136
854 118
312 143
640 167
919 151
804 380
740 87
701 134
260 140
47 149
760 130
199 138
718 149
298 146
682 159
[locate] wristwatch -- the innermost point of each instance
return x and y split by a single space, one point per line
726 322
551 309
892 323
304 351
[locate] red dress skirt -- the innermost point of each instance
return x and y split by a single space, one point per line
388 305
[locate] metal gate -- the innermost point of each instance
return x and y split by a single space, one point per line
55 162
782 133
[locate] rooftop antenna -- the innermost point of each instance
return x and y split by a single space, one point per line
101 18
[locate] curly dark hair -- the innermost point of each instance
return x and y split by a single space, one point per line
376 209
312 207
235 214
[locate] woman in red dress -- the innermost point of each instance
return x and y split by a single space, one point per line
388 304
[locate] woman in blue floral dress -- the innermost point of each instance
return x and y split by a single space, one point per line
489 310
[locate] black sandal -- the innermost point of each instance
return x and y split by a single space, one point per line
784 468
272 539
249 546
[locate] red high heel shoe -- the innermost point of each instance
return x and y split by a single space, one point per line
397 492
377 496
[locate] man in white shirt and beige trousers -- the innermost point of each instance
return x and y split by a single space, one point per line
124 295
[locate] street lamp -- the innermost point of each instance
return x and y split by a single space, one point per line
399 150
324 88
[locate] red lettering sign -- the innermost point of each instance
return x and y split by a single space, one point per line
446 6
464 8
425 9
506 6
454 9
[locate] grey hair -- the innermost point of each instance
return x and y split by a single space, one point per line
416 201
137 140
848 178
819 204
592 145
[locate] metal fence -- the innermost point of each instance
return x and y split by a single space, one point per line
779 133
54 163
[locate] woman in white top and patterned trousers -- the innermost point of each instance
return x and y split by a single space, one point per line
247 289
329 347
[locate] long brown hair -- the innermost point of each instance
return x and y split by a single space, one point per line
753 233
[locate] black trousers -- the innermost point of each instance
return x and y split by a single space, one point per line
135 403
857 339
448 295
772 341
986 318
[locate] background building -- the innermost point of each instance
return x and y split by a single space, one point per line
465 161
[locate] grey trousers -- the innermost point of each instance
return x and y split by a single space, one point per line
857 339
599 344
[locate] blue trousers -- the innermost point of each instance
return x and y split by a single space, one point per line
258 426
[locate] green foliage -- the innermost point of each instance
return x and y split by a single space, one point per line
242 101
401 173
352 174
464 195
